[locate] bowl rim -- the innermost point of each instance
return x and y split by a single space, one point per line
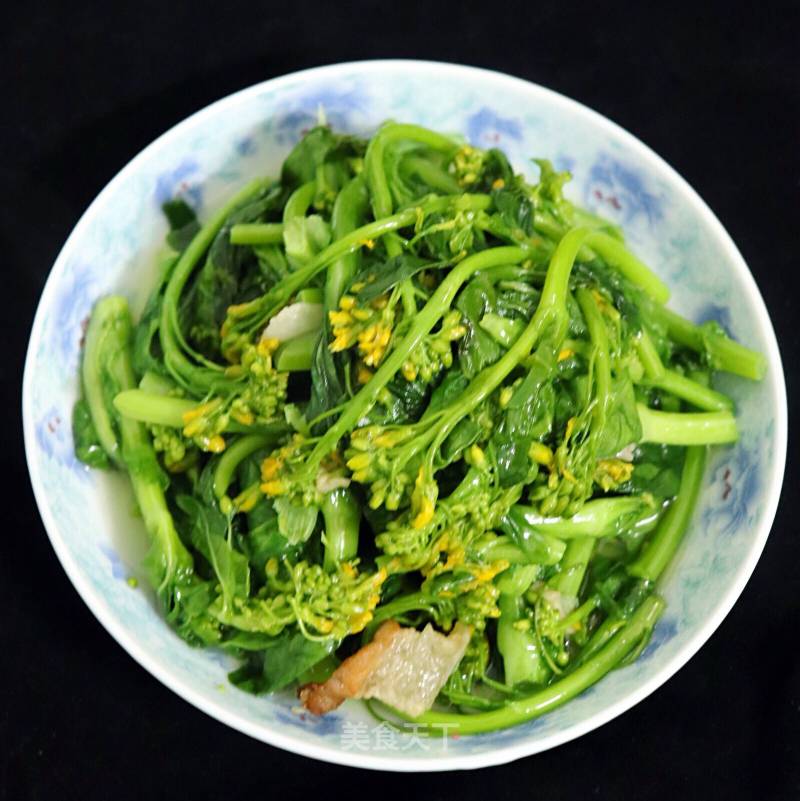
495 755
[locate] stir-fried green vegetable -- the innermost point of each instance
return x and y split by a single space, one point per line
402 382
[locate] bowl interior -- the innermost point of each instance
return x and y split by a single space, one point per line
115 247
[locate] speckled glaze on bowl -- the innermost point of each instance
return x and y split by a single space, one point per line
205 158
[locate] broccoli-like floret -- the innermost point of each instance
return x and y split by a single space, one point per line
264 393
177 451
467 165
257 396
281 473
442 541
435 352
325 604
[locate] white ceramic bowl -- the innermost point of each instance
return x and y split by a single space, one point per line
205 158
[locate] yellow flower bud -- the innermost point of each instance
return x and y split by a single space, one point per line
359 461
425 514
215 444
409 371
273 488
541 454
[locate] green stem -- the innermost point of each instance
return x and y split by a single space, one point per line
379 185
502 548
724 353
189 375
156 384
147 407
696 394
297 354
431 174
602 359
617 255
101 337
557 693
648 356
521 651
600 637
374 159
299 201
349 210
342 516
572 567
233 456
665 540
257 234
602 517
108 347
687 428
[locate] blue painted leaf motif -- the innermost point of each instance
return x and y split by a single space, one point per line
246 146
300 113
665 630
486 128
180 181
71 312
619 192
118 569
734 487
720 314
54 437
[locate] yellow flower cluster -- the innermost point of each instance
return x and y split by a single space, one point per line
610 473
434 352
467 165
333 604
205 423
371 458
370 327
277 469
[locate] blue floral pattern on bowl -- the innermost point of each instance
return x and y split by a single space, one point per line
115 247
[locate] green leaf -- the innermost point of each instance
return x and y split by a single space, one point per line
515 208
263 540
540 548
328 388
182 221
320 146
304 237
657 470
622 426
453 385
226 276
281 660
296 523
207 532
477 349
146 354
395 271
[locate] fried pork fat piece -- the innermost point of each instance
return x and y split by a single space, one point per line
402 667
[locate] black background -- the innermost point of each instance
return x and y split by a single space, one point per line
714 90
